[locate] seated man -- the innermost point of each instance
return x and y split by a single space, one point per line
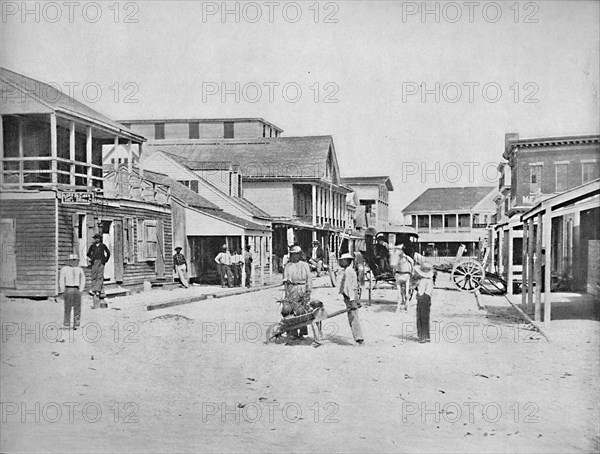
316 257
381 255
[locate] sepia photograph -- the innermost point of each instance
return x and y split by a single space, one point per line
342 226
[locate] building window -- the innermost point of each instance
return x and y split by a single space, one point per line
228 130
194 186
194 130
506 205
464 221
186 183
240 185
450 221
147 240
264 130
159 131
589 171
562 177
535 179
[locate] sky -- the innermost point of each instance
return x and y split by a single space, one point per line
421 91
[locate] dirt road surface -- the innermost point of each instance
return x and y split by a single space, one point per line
201 378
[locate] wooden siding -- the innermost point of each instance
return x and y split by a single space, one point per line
134 271
36 273
275 198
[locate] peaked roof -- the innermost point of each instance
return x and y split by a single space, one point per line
180 191
263 157
244 203
24 95
449 199
369 180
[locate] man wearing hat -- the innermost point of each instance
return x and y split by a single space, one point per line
223 260
180 267
248 258
297 280
71 282
424 292
98 254
349 290
316 257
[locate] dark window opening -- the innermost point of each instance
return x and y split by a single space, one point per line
228 130
159 131
194 130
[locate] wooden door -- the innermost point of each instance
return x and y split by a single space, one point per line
118 251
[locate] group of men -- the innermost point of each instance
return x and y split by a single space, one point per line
230 263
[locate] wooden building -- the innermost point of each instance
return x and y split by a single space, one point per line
200 232
445 218
535 170
373 196
561 247
295 180
54 196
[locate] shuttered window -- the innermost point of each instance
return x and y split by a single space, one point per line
141 241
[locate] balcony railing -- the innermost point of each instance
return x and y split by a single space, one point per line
24 172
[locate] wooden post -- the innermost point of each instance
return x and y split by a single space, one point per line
538 270
243 243
314 205
72 152
531 248
509 265
270 240
1 151
262 261
53 148
548 266
21 153
525 277
88 155
129 157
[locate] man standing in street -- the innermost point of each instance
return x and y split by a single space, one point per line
223 260
71 282
180 267
349 290
248 258
98 254
316 257
237 261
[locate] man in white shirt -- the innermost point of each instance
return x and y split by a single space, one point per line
424 293
223 260
71 282
349 290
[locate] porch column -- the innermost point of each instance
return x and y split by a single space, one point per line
538 270
429 228
88 155
116 145
72 153
525 255
53 148
243 243
262 261
314 204
21 153
1 151
270 240
330 205
130 158
509 265
548 266
456 225
530 273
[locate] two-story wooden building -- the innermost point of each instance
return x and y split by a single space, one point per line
445 218
373 198
54 197
295 180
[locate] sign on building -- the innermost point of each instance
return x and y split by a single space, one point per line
81 198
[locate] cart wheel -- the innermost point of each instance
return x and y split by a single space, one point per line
468 275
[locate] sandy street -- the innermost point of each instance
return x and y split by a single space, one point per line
201 378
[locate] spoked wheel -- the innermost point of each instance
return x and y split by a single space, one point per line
468 275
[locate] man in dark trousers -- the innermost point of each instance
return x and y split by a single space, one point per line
98 254
248 258
71 283
180 267
316 257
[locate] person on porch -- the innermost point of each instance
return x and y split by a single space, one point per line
98 254
316 257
